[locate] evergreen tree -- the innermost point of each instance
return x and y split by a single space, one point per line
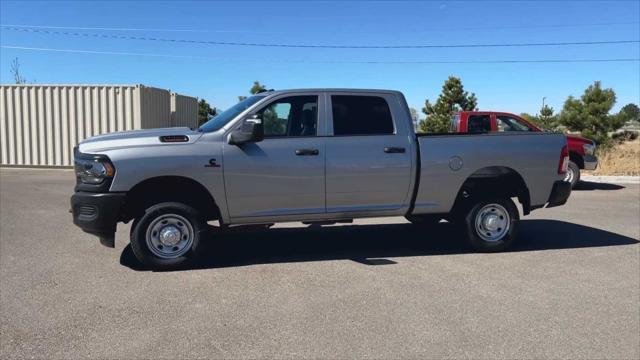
590 113
257 88
547 120
629 112
452 99
204 111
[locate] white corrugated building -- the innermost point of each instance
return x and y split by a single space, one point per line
40 124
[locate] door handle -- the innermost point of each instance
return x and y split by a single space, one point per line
394 150
307 152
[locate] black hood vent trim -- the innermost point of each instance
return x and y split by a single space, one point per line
174 138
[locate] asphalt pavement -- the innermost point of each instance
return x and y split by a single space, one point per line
378 288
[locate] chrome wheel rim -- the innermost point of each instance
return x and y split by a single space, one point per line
568 177
492 222
169 236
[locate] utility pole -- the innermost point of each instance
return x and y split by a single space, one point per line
544 97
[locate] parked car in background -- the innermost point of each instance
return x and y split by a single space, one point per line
581 150
316 156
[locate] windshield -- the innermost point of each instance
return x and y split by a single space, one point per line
224 117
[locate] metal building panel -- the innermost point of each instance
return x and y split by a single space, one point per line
155 107
40 124
19 125
184 111
4 138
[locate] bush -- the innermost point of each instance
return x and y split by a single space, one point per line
621 159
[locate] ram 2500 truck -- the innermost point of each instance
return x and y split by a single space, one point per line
581 150
316 156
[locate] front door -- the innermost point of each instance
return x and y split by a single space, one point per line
283 174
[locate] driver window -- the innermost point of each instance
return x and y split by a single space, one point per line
508 123
290 116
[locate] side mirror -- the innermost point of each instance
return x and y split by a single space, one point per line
250 131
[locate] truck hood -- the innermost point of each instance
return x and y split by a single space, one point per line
579 139
139 138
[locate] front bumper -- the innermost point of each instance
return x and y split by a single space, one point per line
97 213
559 193
590 162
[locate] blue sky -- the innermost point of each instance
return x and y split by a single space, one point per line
221 73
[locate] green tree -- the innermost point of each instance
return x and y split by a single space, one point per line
590 113
257 88
630 112
452 99
546 112
530 118
546 119
204 111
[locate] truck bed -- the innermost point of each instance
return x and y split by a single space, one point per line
446 161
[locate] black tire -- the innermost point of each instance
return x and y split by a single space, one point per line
573 174
505 239
192 225
424 220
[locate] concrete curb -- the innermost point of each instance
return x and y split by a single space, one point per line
611 179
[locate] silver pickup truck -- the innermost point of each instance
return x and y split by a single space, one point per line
316 156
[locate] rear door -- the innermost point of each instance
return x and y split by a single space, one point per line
368 153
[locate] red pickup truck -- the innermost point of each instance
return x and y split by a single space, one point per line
581 150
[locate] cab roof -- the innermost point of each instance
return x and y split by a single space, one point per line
286 91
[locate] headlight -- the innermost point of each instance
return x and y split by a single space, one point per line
93 171
589 149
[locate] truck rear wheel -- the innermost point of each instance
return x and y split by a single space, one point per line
491 224
167 235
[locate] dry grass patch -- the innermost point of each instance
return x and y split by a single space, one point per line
622 159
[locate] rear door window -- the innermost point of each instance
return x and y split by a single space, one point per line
361 115
479 123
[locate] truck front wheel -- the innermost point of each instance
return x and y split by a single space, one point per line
167 235
491 224
573 174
